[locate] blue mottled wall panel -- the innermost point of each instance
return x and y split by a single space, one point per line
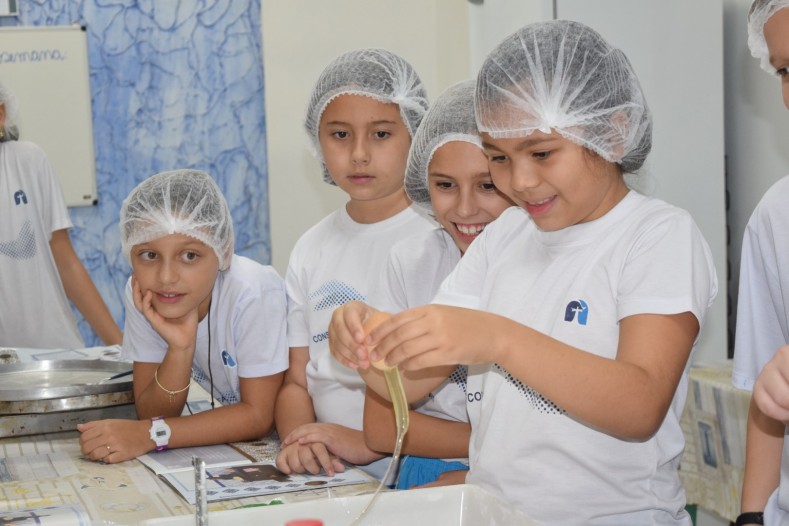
176 83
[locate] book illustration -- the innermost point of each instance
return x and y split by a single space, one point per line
232 482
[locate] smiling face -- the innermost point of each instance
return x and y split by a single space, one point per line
776 34
558 182
179 270
462 193
365 144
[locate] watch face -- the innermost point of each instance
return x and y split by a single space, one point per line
161 433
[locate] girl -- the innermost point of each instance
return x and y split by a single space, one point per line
364 108
448 175
193 310
576 311
762 337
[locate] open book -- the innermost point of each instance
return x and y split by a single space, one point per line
232 475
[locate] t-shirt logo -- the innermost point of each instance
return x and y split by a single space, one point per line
20 198
576 310
333 294
227 359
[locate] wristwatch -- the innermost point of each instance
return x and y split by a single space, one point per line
751 517
160 433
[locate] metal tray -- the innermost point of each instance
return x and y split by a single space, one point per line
56 379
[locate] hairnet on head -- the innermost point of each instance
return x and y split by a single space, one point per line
8 99
760 13
184 202
563 76
450 118
371 72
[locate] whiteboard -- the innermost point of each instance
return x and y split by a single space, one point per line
47 69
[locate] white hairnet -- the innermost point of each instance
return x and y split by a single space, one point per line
371 72
450 118
184 202
563 76
8 99
760 13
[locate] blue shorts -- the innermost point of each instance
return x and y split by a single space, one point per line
415 471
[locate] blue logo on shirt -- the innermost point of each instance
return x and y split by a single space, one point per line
576 310
20 198
227 359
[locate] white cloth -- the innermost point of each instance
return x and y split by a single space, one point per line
34 309
575 285
417 265
763 311
334 262
247 315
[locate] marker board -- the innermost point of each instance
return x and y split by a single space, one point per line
47 69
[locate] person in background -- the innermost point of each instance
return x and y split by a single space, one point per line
39 270
761 350
448 175
194 310
576 311
363 111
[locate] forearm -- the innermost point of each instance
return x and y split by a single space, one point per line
231 423
427 436
763 447
81 291
293 408
162 389
90 304
416 384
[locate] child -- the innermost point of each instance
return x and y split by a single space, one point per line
193 310
590 296
39 270
762 337
447 174
364 109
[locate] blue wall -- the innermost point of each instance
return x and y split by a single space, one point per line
174 83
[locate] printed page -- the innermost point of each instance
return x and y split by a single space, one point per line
65 515
36 467
234 482
180 459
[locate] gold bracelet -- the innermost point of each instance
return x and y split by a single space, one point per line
171 393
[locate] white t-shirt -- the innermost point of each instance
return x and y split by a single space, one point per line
417 265
247 316
337 261
763 311
575 285
34 309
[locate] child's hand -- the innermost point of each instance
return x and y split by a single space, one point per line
311 458
346 334
435 335
179 333
346 443
771 390
113 441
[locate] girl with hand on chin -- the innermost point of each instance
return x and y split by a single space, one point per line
194 311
